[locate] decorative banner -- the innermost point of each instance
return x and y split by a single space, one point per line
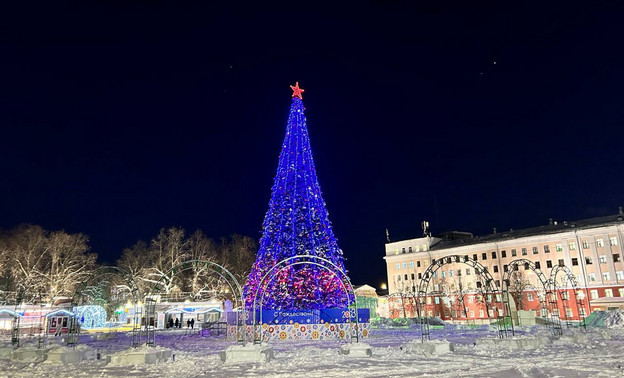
296 331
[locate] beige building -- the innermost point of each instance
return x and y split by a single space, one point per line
590 250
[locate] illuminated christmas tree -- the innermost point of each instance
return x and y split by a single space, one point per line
296 224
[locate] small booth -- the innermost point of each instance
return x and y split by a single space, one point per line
58 322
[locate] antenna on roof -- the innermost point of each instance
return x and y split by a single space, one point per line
387 236
425 228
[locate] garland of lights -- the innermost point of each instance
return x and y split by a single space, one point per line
297 223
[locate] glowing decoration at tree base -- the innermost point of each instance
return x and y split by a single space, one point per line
91 316
297 223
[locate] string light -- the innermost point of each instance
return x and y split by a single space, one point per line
297 223
91 316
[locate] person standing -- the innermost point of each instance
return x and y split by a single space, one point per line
192 322
177 323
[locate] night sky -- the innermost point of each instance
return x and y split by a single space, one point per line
117 120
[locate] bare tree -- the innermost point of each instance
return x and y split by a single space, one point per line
518 283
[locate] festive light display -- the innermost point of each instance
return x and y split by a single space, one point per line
296 224
91 316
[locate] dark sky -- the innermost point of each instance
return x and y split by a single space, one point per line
119 119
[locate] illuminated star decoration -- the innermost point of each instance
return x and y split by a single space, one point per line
296 90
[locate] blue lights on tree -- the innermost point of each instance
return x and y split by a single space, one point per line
297 223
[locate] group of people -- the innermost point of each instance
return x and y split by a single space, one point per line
190 323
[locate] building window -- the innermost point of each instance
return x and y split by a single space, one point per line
621 292
437 300
561 263
619 275
398 266
572 246
404 265
559 247
616 257
419 276
505 268
481 313
591 277
600 242
499 298
417 248
399 278
418 264
538 265
524 251
548 264
424 247
530 297
613 240
497 282
402 250
535 252
606 276
493 254
588 260
450 272
495 268
503 253
471 299
574 261
411 264
410 250
568 312
406 277
546 249
435 274
474 257
603 259
582 311
585 244
484 256
513 253
593 294
444 274
472 313
413 276
469 285
608 293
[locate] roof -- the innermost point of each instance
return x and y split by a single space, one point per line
554 228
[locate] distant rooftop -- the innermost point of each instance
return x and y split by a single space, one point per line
457 238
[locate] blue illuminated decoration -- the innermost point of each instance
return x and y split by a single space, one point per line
91 316
297 223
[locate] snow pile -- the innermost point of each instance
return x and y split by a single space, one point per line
430 347
609 318
142 355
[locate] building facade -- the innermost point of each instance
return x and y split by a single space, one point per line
582 260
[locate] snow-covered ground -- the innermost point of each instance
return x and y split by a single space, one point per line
599 353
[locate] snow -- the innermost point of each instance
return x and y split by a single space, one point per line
535 353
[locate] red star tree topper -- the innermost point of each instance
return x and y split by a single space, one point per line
296 90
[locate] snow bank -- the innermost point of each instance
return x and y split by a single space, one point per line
609 318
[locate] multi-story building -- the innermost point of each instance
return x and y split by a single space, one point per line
586 257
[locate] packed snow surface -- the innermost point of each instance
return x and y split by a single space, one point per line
598 353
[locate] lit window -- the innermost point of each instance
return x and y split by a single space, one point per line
620 275
621 292
428 300
593 294
470 286
608 293
613 240
424 247
499 298
585 244
437 300
591 277
568 312
535 252
600 242
559 247
481 313
572 246
603 259
417 248
606 276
